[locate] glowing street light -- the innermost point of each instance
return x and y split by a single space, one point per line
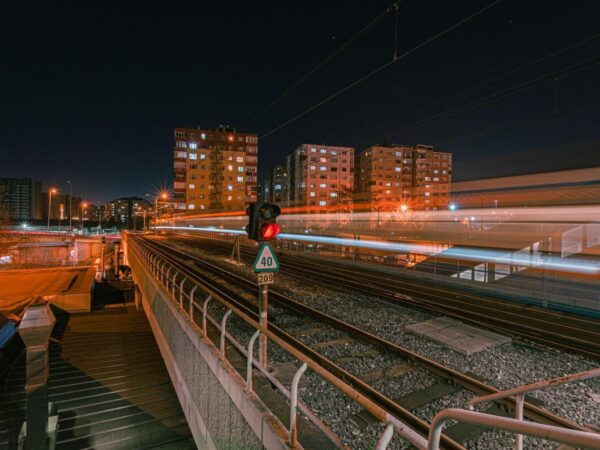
403 208
452 207
84 206
50 192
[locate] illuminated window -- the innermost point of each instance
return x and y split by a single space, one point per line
191 206
201 206
427 194
313 167
277 187
323 185
202 156
230 188
323 168
193 145
399 154
230 167
240 179
388 184
229 197
193 156
313 194
241 169
323 150
322 203
181 144
398 169
333 194
333 152
313 150
180 134
202 135
239 159
192 186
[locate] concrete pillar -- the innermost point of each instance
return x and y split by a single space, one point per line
35 329
490 272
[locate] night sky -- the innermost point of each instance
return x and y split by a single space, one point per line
91 91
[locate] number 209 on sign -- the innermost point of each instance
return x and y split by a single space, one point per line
266 278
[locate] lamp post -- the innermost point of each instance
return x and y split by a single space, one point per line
70 205
50 192
84 205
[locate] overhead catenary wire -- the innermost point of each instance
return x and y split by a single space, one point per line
395 6
504 93
501 76
380 68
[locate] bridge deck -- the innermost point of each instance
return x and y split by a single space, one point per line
109 383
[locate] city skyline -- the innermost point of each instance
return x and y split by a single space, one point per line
119 96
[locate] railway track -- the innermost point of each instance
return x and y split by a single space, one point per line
230 288
563 331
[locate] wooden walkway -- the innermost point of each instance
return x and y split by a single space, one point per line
109 383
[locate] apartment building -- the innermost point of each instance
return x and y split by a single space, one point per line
274 186
20 199
320 176
388 177
432 178
384 177
214 169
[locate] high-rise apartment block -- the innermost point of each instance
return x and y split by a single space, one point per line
274 187
214 169
320 176
391 176
20 199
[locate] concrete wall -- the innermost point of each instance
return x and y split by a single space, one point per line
220 414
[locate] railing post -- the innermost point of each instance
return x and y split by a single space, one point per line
520 400
249 363
223 328
204 313
192 302
181 292
173 284
293 406
385 438
166 278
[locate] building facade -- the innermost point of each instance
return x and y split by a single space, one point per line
274 187
392 177
214 169
320 176
20 199
122 210
432 178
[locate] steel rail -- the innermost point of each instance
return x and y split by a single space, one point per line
531 411
464 309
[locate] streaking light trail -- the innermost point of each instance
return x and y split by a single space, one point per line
463 253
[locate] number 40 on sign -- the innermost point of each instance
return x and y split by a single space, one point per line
266 263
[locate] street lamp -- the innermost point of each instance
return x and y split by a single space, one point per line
70 205
84 205
164 196
50 192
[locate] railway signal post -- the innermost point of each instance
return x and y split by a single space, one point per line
265 265
262 226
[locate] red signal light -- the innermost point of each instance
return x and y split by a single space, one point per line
269 231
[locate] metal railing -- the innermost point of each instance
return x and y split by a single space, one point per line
565 435
520 391
174 280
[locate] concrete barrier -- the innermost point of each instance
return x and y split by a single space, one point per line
221 415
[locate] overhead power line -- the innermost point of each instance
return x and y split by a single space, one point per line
497 78
504 93
338 51
382 67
